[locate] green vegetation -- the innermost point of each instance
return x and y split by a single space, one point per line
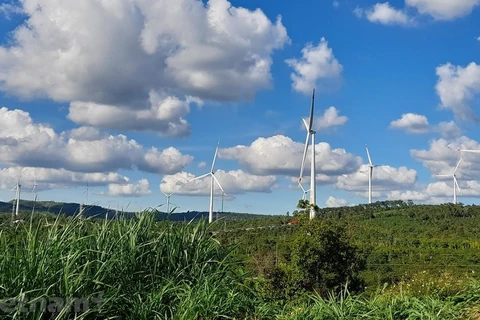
389 260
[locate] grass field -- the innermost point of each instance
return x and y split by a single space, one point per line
141 268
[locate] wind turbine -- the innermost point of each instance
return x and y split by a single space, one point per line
34 191
370 174
455 182
86 198
17 188
170 194
310 133
212 178
216 214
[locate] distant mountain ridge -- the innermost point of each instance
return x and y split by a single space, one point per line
70 209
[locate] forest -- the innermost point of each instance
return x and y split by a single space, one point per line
387 260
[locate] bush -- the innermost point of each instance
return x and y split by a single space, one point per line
323 255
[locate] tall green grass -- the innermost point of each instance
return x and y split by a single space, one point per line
144 269
461 306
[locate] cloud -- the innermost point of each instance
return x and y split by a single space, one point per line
333 202
320 179
441 157
116 52
358 12
233 182
318 68
202 164
329 119
407 195
7 10
456 87
385 178
444 10
384 13
444 189
141 188
448 130
25 143
281 155
336 4
85 134
478 38
411 123
55 178
165 116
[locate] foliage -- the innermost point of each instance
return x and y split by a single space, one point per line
143 269
325 258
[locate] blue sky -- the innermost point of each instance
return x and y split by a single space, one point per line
90 88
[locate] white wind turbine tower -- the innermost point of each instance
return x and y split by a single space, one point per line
17 189
370 174
310 133
455 182
84 206
212 178
34 191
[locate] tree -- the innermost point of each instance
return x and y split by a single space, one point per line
303 207
325 258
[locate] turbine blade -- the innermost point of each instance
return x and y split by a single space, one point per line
214 158
303 189
442 175
466 150
456 184
311 111
200 177
218 183
459 160
305 123
368 155
304 157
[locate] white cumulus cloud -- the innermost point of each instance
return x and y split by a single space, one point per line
441 157
110 56
384 13
448 130
385 178
165 116
444 9
411 123
140 188
457 86
407 195
330 118
46 178
334 202
25 143
318 68
281 155
233 182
